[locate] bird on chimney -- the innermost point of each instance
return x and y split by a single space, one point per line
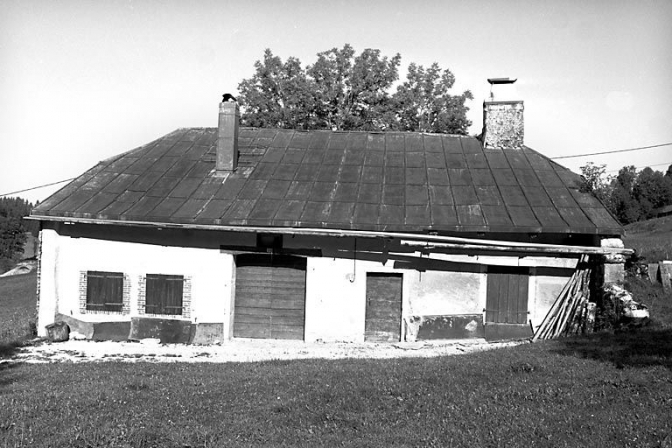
228 97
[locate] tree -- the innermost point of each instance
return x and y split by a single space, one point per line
346 91
352 91
278 95
594 180
12 230
626 208
425 105
652 190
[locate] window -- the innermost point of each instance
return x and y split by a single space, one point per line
104 291
164 294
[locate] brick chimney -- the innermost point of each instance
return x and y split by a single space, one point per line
227 136
502 116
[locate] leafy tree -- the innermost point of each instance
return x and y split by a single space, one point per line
278 95
594 180
425 105
626 208
352 91
346 91
652 190
12 230
631 196
626 177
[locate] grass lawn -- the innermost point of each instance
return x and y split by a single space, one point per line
606 390
652 239
17 310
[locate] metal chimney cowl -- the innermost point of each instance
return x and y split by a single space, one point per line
503 125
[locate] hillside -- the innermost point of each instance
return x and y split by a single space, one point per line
17 308
652 239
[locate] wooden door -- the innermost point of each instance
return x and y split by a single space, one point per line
383 307
270 297
506 313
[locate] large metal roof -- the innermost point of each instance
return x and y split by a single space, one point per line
393 181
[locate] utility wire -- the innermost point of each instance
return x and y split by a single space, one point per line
612 152
640 167
554 158
35 188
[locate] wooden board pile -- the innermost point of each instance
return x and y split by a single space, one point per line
570 312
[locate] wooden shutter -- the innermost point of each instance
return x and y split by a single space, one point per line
164 294
270 297
104 291
383 307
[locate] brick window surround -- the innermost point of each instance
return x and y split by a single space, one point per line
126 296
186 299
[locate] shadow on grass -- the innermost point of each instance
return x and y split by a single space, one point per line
9 349
5 377
642 347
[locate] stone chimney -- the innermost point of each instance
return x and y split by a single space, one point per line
227 136
502 116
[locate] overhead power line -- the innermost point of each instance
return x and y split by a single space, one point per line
612 152
644 166
35 188
554 158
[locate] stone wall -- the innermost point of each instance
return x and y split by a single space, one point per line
503 124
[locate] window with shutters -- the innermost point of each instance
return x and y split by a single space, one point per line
164 294
104 292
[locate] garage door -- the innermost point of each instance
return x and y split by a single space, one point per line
270 297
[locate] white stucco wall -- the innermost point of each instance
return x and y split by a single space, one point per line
63 258
335 284
546 289
336 295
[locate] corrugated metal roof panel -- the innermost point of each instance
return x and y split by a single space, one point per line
351 180
315 214
418 215
289 212
345 192
489 195
365 214
451 145
496 215
433 143
464 195
523 216
97 203
392 214
441 194
444 217
470 215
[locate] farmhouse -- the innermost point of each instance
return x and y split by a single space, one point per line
208 234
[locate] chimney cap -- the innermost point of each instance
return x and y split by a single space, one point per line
227 97
501 80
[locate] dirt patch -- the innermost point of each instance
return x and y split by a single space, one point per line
241 350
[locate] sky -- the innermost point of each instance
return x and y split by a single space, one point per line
82 81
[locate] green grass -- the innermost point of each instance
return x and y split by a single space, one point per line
17 310
603 391
652 239
653 296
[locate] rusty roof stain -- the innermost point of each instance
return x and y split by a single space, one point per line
395 182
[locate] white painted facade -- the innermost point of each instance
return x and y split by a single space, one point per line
335 302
